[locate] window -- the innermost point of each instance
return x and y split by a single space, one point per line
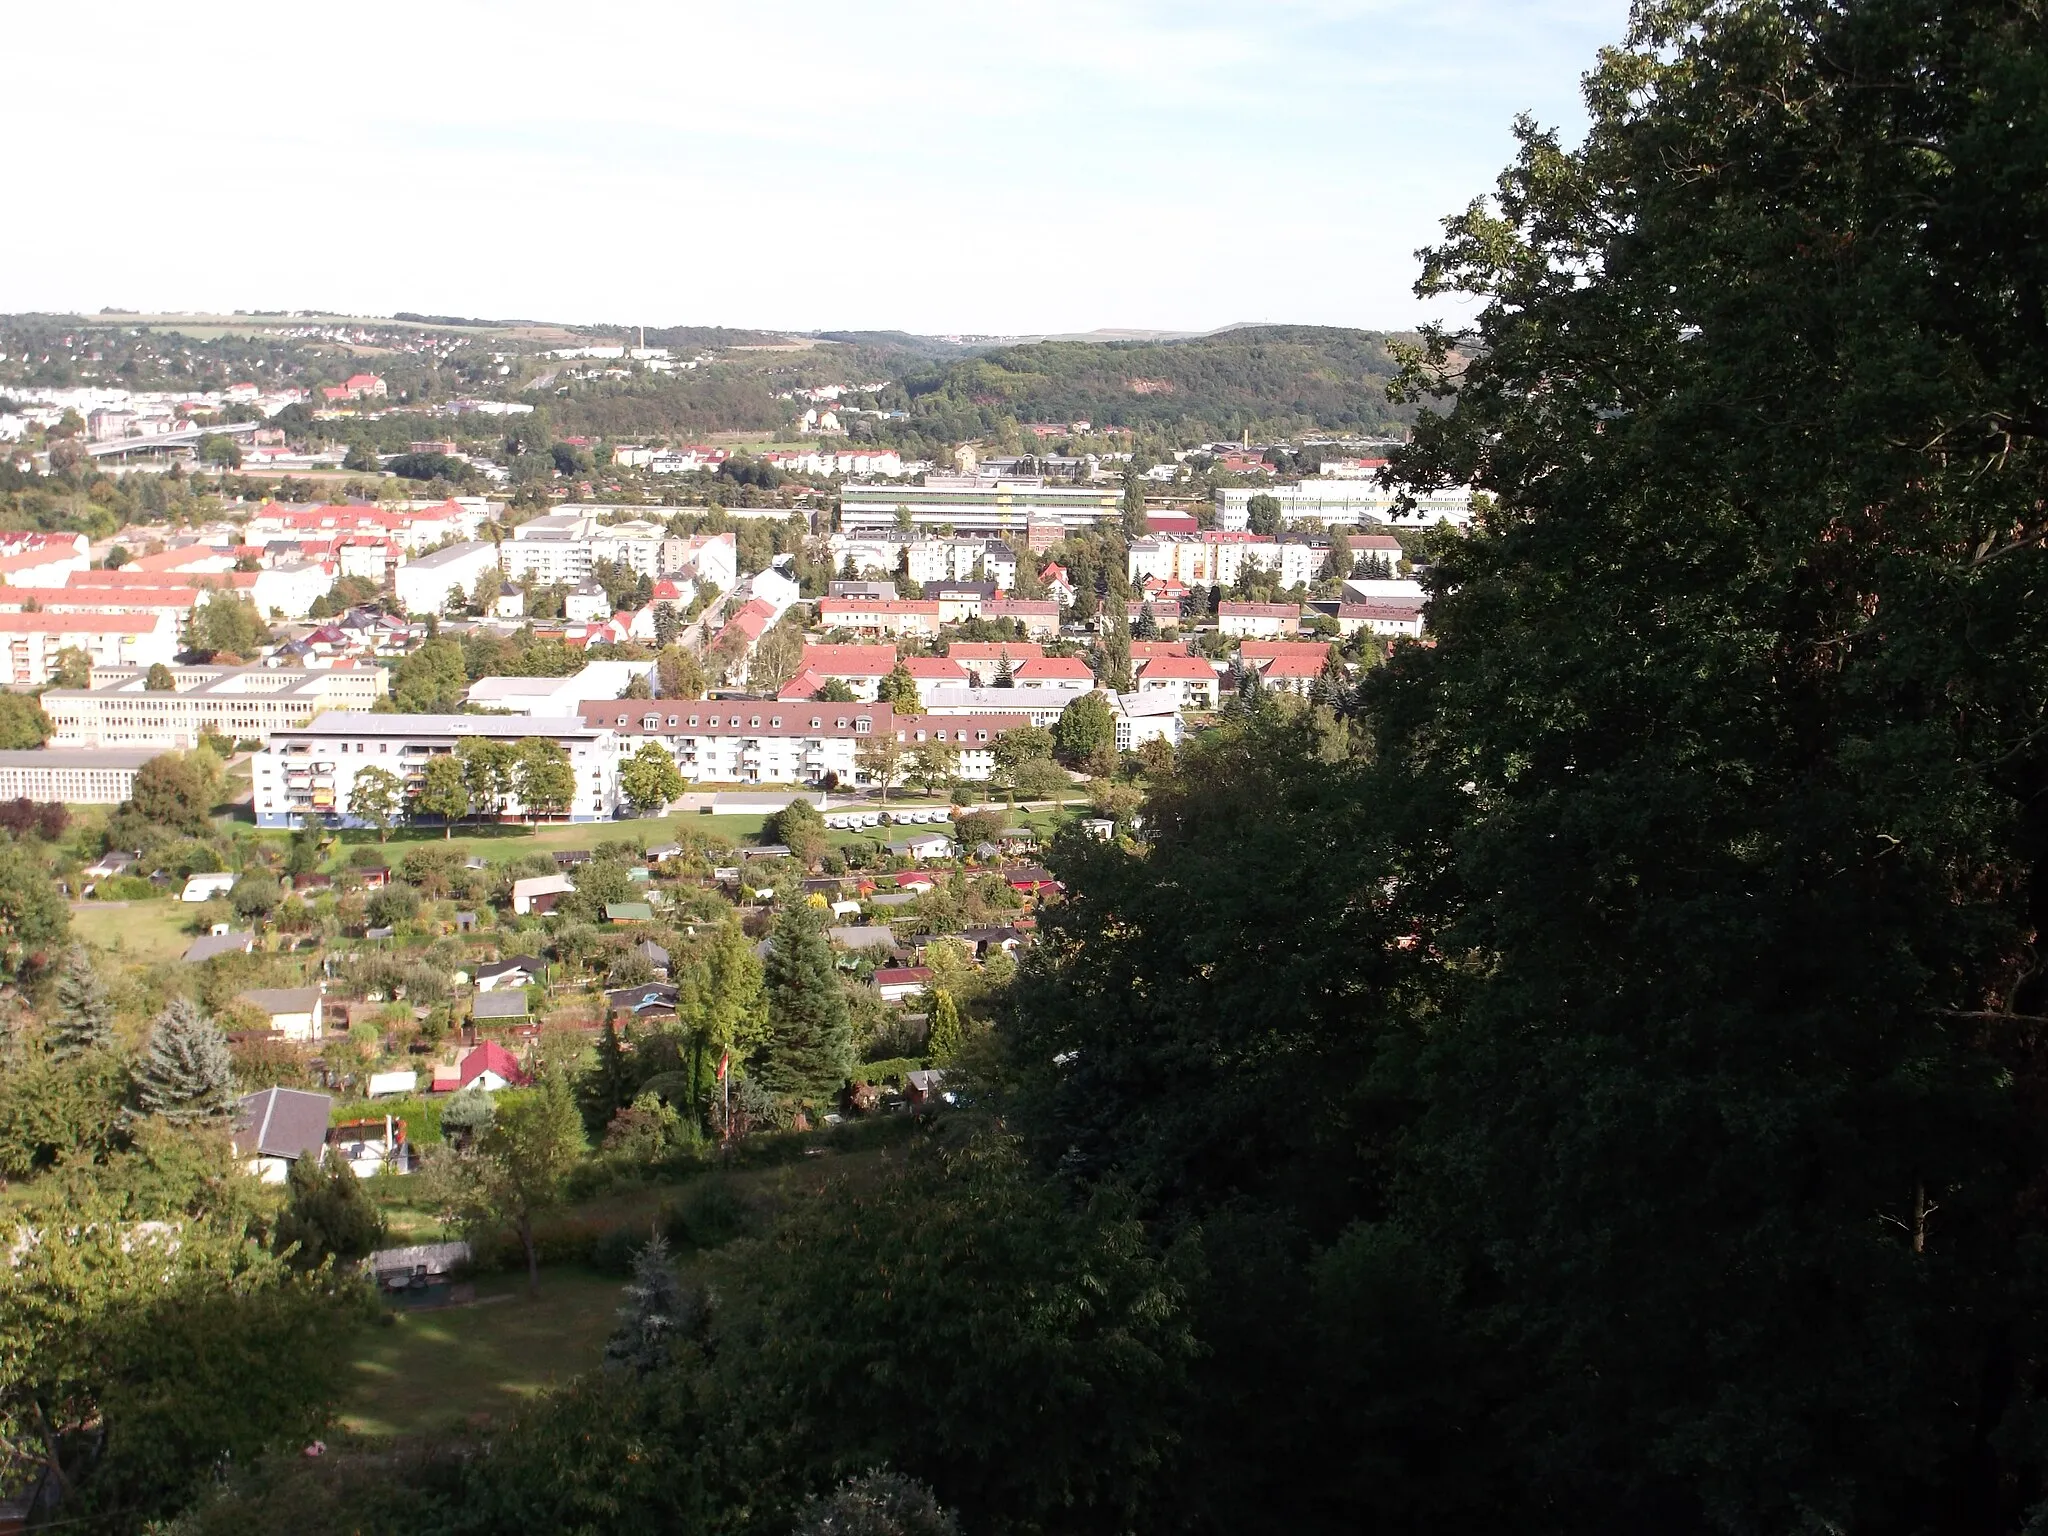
753 725
815 722
622 719
863 725
775 722
693 720
841 722
981 735
649 722
671 719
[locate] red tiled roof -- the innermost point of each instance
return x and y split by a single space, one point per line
1192 667
850 660
1071 667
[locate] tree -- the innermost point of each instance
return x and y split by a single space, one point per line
942 1043
658 1312
776 659
431 679
1085 732
377 796
254 894
546 778
219 450
933 764
158 679
483 596
1263 515
801 829
835 691
1006 675
73 669
361 458
85 1014
228 625
608 1086
443 791
177 790
527 1154
680 674
668 624
1014 748
1040 778
469 1113
1134 507
809 1049
327 1215
877 1504
880 757
898 690
1116 652
35 922
186 1076
490 771
23 725
637 687
650 778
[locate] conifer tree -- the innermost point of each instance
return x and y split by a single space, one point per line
1006 677
186 1075
329 1215
810 1036
658 1311
942 1041
85 1018
608 1087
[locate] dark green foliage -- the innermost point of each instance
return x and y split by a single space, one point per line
709 1216
1085 732
22 722
54 1109
809 1049
328 1215
610 1084
185 1076
877 1504
85 1014
176 790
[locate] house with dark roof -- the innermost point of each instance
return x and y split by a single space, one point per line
499 1007
277 1127
225 942
655 999
512 971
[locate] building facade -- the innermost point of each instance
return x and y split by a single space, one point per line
32 642
121 710
973 505
71 775
307 774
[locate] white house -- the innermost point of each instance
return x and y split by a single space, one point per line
426 585
207 886
277 1127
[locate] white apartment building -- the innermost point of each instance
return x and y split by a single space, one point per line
1213 559
768 741
1356 503
306 774
121 711
931 559
563 546
1143 717
71 776
990 506
31 642
1258 621
1037 706
556 697
426 585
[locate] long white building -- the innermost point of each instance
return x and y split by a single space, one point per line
121 710
930 559
1217 559
306 774
564 546
72 776
1357 503
979 505
32 642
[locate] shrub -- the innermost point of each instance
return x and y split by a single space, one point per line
612 1254
710 1215
125 888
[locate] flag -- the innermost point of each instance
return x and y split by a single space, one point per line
724 1062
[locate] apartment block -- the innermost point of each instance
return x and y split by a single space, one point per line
121 711
426 584
32 642
71 776
308 773
977 505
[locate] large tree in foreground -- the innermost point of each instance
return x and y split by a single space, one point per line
809 1049
186 1075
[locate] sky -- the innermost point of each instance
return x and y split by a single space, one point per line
938 166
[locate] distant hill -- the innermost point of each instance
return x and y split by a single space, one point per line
1274 376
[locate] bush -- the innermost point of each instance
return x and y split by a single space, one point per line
613 1253
125 888
710 1215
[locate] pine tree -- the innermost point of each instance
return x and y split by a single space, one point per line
329 1215
186 1075
942 1040
810 1036
658 1311
85 1019
1005 676
608 1086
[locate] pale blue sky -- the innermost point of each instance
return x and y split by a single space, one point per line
926 165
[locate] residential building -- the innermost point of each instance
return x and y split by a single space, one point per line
1038 706
32 642
294 1012
564 545
306 773
865 617
1261 620
277 1127
1218 559
69 775
241 703
1357 503
989 506
860 667
930 672
1188 680
973 736
1040 617
924 558
587 604
556 697
48 567
1143 717
983 660
1061 674
430 583
1382 617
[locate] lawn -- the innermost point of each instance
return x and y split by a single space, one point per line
142 931
439 1370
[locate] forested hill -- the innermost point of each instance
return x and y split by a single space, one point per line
1279 376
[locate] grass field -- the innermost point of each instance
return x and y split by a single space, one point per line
142 931
428 1371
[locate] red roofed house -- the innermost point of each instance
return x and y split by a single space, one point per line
358 386
868 616
1143 651
935 672
488 1066
860 667
1191 680
1293 673
42 567
1059 584
897 983
915 880
982 660
1063 674
1258 620
1259 652
743 631
30 643
1040 617
1384 617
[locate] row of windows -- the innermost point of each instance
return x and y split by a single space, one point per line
752 723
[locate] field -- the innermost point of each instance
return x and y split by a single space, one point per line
426 1371
142 931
